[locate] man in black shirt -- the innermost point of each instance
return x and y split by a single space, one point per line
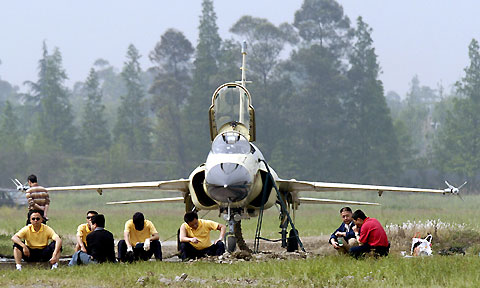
100 245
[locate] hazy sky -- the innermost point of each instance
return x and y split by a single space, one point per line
427 38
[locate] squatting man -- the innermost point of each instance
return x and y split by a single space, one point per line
344 237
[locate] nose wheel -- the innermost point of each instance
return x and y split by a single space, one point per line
231 243
234 236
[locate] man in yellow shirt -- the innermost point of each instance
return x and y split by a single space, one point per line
195 237
140 240
82 231
36 247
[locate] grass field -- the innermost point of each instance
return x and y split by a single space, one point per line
68 210
331 271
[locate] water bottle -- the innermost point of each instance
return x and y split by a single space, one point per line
340 242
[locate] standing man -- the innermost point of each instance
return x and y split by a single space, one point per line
83 230
37 197
195 237
100 244
370 235
36 247
140 240
344 237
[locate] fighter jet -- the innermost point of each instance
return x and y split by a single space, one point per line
236 179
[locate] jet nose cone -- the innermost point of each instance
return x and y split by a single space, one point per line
228 182
229 168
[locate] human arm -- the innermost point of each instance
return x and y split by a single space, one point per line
79 237
56 252
223 229
81 244
356 230
146 245
126 237
18 241
45 211
350 234
183 235
154 237
334 237
334 243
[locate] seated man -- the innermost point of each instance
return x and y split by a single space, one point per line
344 238
82 231
372 236
100 245
141 240
36 247
195 237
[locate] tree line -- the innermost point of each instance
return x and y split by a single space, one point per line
322 112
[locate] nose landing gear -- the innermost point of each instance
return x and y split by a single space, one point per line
234 236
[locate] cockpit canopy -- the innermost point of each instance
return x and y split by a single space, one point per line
231 143
231 110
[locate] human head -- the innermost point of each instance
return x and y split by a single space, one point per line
32 179
98 220
90 214
359 217
346 214
35 217
191 218
138 221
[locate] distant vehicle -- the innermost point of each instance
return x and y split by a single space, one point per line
12 197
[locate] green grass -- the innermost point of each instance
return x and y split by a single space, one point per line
68 211
331 271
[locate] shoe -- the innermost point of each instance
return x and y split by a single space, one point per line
54 266
130 256
19 267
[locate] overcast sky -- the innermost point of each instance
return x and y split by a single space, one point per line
427 38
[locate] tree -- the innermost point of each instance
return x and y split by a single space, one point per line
372 153
311 111
112 86
323 22
49 94
417 114
95 136
170 89
205 69
458 146
12 152
265 41
133 124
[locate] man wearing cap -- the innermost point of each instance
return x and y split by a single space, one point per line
36 247
83 230
141 240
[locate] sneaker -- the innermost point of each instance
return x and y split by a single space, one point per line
19 267
55 266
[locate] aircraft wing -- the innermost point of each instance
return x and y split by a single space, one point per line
330 201
160 200
170 185
304 186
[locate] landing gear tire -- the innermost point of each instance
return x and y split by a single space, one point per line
231 244
292 242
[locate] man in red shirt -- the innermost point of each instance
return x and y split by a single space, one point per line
370 235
